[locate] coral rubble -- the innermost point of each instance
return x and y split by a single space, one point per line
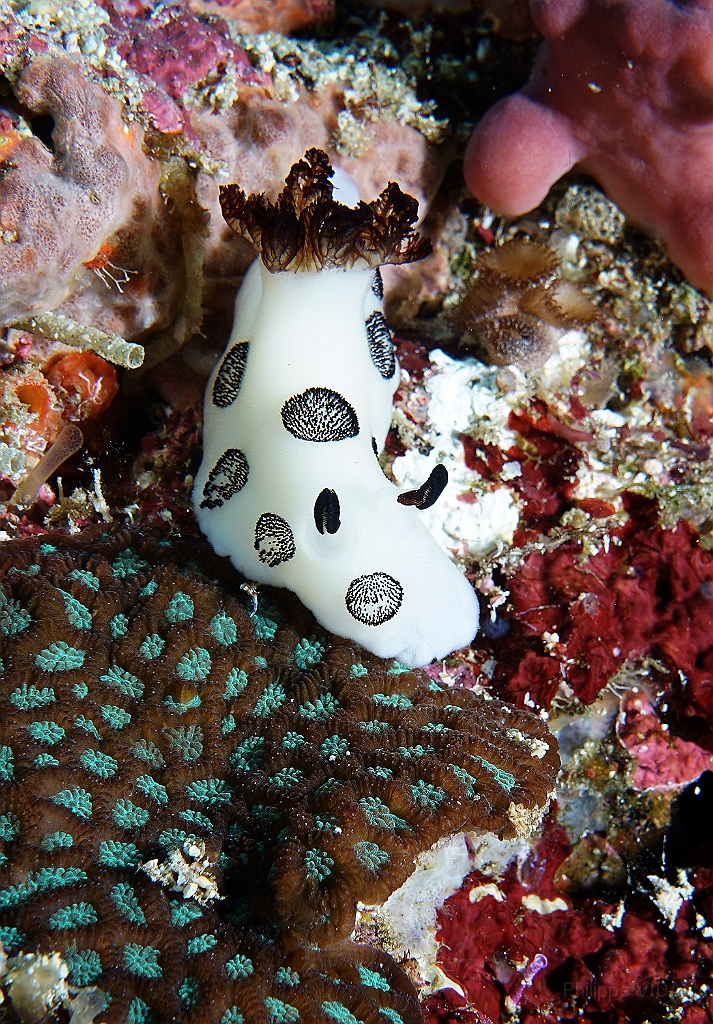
269 777
519 306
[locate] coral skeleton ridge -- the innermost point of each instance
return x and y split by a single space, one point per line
263 779
296 411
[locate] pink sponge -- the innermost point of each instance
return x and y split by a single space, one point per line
56 209
625 89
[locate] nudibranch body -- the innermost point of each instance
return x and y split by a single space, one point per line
298 408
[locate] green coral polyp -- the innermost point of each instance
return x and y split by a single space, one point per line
45 761
248 754
125 682
235 683
183 912
339 1012
393 700
418 750
370 856
201 944
379 815
78 615
60 657
142 961
279 1012
86 725
77 800
334 747
124 899
102 765
85 965
56 841
318 865
9 827
85 577
503 778
149 753
26 698
427 795
196 818
270 700
239 967
180 608
285 976
292 740
322 708
113 854
119 626
307 653
286 778
194 666
45 732
43 880
139 1012
186 740
127 563
149 787
80 690
127 815
115 717
372 979
7 763
13 617
209 791
77 915
223 629
232 1016
151 647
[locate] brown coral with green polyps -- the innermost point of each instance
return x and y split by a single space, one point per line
145 712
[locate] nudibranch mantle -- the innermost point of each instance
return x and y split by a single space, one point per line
290 487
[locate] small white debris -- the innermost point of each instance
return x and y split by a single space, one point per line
191 877
670 898
533 902
613 921
489 889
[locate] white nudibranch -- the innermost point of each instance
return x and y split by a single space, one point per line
296 412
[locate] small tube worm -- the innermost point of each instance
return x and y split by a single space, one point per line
68 442
59 327
429 492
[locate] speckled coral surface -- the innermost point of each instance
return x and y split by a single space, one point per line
143 707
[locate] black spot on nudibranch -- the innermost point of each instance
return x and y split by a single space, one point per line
230 375
320 414
326 511
228 476
274 540
381 347
374 599
377 285
374 447
429 492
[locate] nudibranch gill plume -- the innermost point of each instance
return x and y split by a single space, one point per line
297 410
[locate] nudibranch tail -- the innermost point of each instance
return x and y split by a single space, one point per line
307 229
296 409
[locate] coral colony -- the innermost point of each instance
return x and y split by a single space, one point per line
297 412
227 795
194 799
